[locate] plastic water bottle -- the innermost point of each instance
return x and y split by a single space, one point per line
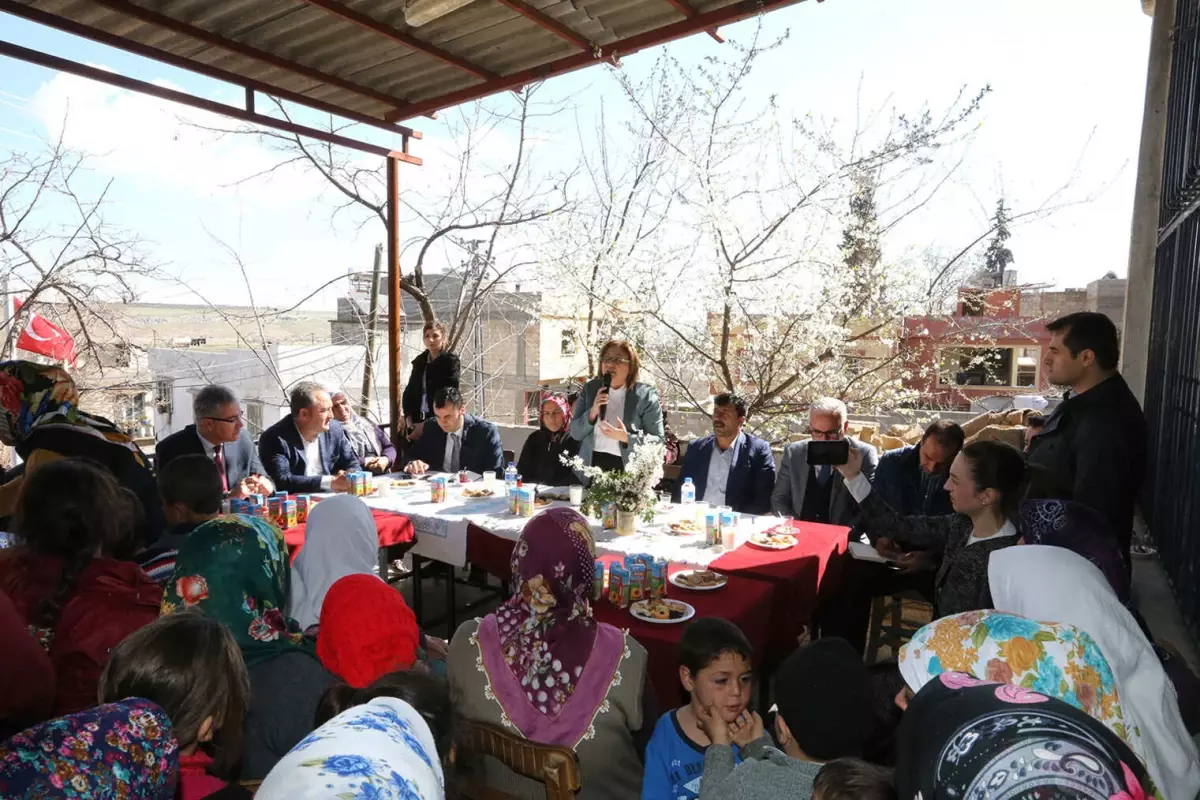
510 475
687 492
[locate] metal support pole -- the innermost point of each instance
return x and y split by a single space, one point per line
394 310
1143 238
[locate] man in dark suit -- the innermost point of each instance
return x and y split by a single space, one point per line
818 493
307 451
912 479
458 441
220 434
731 467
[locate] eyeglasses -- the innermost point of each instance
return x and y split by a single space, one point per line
614 360
817 433
230 420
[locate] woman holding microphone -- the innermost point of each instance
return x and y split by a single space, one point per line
614 410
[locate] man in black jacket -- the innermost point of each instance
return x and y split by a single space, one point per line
1092 449
435 369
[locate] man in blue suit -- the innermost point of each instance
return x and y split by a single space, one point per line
220 434
731 467
459 441
307 451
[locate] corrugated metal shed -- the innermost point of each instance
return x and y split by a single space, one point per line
358 58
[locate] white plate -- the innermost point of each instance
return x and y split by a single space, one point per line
675 580
636 610
769 546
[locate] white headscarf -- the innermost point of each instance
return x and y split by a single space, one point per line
340 540
382 749
1058 585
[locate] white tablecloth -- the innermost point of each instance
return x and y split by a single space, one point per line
441 528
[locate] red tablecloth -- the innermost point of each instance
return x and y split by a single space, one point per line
392 529
742 601
801 575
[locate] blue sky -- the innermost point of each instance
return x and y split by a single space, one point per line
1067 78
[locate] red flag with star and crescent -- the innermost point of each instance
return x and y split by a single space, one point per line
43 337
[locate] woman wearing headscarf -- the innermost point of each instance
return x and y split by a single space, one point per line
1053 583
1051 658
541 457
76 599
340 539
543 667
381 749
966 738
1065 523
367 631
117 750
40 417
235 570
614 410
372 446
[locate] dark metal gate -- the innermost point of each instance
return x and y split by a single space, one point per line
1172 502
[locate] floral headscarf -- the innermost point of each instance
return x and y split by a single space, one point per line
35 395
382 750
235 570
1065 523
119 750
966 738
536 646
1056 660
561 402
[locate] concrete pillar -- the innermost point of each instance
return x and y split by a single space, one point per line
1143 238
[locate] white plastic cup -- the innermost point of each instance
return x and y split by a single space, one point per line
383 488
489 479
728 537
576 495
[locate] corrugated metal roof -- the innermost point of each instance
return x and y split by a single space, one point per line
341 54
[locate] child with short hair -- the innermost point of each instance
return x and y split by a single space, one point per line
715 668
823 697
852 779
190 666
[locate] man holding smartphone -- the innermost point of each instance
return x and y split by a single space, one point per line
808 487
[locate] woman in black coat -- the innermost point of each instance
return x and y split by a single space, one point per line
540 460
434 369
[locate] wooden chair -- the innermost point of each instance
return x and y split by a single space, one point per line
554 766
894 632
250 786
510 457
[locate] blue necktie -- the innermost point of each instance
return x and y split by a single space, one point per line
823 473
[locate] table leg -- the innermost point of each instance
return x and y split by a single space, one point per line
451 621
385 566
417 602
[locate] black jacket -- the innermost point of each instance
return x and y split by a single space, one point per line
1093 450
440 372
540 463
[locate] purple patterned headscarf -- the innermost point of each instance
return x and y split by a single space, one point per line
1080 529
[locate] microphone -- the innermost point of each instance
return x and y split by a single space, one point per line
607 385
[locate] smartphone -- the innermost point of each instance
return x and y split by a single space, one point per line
833 453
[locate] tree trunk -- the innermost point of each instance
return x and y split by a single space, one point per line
372 323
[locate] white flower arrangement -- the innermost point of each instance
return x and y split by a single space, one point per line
631 489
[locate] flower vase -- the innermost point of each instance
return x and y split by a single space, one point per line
626 523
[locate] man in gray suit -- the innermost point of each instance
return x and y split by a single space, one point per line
818 493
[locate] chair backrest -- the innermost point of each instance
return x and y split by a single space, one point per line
510 457
554 766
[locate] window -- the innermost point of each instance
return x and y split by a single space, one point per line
570 343
977 366
254 418
162 396
1027 366
533 407
973 304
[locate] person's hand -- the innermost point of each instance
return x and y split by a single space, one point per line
887 548
617 431
598 404
436 648
241 489
340 482
916 561
746 728
709 721
417 467
853 466
257 484
415 431
376 464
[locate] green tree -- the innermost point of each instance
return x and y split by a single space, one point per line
997 257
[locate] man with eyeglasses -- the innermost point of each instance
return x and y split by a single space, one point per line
818 493
219 433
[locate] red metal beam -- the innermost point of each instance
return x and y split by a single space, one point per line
208 37
624 47
133 84
145 51
400 37
547 22
686 9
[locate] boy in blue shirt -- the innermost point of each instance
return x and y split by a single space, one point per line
714 667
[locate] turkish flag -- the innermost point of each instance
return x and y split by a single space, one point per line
43 337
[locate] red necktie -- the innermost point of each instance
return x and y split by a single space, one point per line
219 460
